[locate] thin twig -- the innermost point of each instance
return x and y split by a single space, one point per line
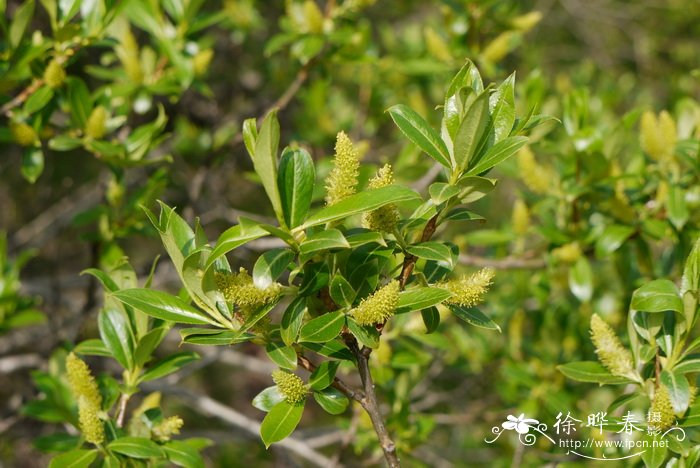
20 98
21 361
507 263
338 384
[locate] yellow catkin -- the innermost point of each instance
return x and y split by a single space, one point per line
567 253
24 134
164 430
383 219
668 133
527 21
499 47
615 357
137 426
87 394
54 75
520 218
436 45
657 135
96 124
469 290
342 180
128 54
661 409
290 386
240 289
201 61
536 177
378 307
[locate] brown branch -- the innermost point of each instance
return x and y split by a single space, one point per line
338 384
507 263
409 262
369 402
20 98
121 411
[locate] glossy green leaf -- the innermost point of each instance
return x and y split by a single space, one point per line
420 133
162 306
283 356
475 188
590 371
181 453
78 458
280 422
366 335
463 214
581 280
64 143
296 185
80 101
324 240
677 209
471 131
323 328
265 160
432 250
250 134
38 99
20 21
213 337
678 390
431 319
612 238
168 365
334 349
231 239
148 343
270 266
657 296
331 400
136 447
655 450
117 335
323 375
92 347
292 320
474 316
341 291
268 398
498 153
421 298
687 366
440 192
32 164
502 108
366 200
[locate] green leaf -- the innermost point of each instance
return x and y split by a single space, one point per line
463 214
440 192
296 185
475 188
611 239
421 133
331 400
432 250
292 320
265 160
270 266
117 335
32 164
677 208
341 291
498 153
168 365
38 100
332 349
64 143
250 135
366 335
182 454
93 347
280 422
367 200
324 240
474 316
283 356
80 102
657 296
268 398
363 238
136 447
502 107
581 280
323 375
74 459
687 366
212 337
231 239
148 343
678 390
690 285
162 306
590 371
655 451
431 319
471 131
323 328
421 298
20 21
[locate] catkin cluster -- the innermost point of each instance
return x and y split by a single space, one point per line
382 219
535 176
240 289
342 180
661 409
615 357
378 307
290 386
658 135
469 290
87 394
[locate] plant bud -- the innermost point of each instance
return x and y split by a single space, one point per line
662 408
520 217
290 386
615 357
23 133
54 75
96 124
87 394
240 289
385 218
201 61
342 180
379 307
469 291
164 430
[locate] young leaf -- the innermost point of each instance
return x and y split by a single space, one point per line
502 107
590 371
324 240
292 320
421 133
471 130
296 185
474 316
270 266
342 291
323 328
280 422
74 459
431 319
162 306
265 160
136 447
323 375
366 335
117 335
657 296
678 390
440 192
283 356
581 280
331 400
268 398
183 454
231 239
498 153
611 239
168 365
432 250
421 298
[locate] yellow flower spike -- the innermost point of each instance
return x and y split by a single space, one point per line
128 53
343 177
240 289
567 253
615 357
87 394
201 61
24 134
520 217
164 430
290 386
658 136
536 177
383 219
378 307
469 291
662 409
667 132
95 126
54 75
